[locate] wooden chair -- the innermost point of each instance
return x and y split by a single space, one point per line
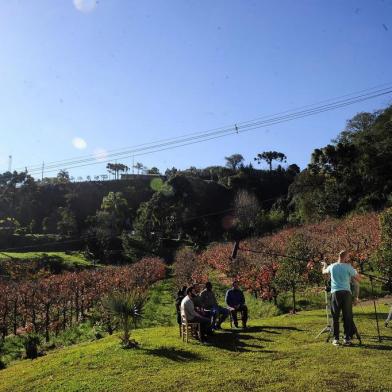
189 328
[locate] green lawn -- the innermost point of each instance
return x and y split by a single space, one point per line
72 259
276 354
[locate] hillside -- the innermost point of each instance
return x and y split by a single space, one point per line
274 354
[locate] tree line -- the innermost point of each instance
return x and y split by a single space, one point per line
288 260
53 303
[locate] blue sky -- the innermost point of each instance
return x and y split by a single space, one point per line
120 73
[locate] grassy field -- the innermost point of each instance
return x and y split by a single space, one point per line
275 354
72 259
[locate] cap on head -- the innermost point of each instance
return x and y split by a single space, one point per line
208 285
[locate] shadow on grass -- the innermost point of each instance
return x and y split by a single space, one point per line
174 354
266 328
378 347
250 337
234 341
381 316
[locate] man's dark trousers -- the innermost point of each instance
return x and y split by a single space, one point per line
244 315
342 301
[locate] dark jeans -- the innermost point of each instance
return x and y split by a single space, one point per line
342 301
244 314
218 315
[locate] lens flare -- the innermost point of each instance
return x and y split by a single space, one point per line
79 143
85 6
228 222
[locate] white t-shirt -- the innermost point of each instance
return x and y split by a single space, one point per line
188 309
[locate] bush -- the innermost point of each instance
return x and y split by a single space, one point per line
127 307
30 343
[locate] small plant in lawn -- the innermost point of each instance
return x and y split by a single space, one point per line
30 343
127 307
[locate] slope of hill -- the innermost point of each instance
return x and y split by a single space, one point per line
274 354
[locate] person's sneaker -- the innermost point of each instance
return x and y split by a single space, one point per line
235 324
335 342
347 342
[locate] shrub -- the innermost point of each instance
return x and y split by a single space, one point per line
31 342
127 307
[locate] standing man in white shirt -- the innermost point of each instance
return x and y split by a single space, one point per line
342 275
188 311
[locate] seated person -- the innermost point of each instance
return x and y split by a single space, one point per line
189 313
210 304
180 296
235 300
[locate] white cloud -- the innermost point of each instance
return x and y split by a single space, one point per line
100 154
85 6
79 143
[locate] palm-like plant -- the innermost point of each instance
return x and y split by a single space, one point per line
128 308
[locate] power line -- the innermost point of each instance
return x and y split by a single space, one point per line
185 140
384 85
65 161
227 131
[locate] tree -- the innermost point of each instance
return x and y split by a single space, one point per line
138 166
361 122
246 210
116 168
169 173
63 177
269 157
67 224
353 172
106 226
384 254
292 270
153 170
185 266
233 161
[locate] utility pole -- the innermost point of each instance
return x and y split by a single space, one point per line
9 163
42 171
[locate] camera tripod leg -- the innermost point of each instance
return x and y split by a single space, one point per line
356 333
325 329
329 336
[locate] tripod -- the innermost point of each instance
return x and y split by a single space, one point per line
328 327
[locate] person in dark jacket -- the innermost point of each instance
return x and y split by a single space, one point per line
235 300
